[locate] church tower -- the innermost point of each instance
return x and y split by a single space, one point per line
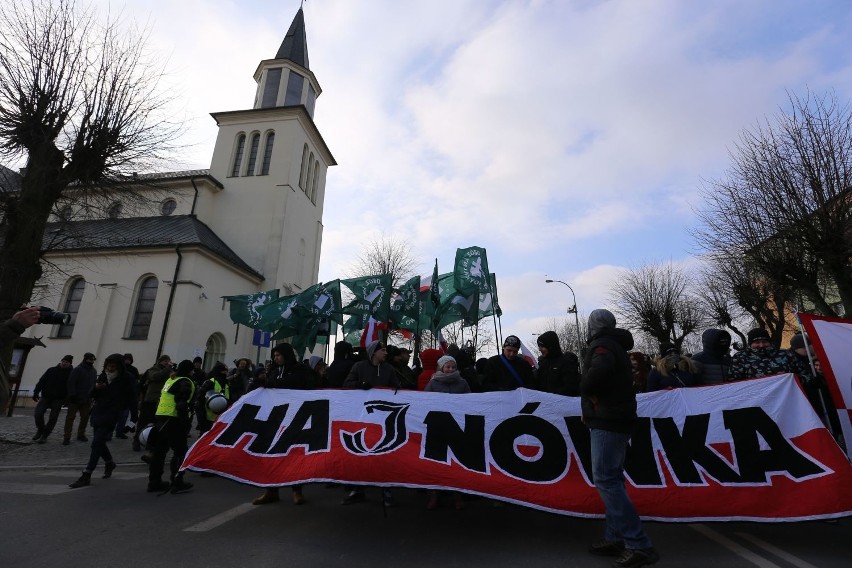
273 162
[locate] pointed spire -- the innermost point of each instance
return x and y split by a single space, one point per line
295 44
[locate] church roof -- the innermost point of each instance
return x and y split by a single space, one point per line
295 44
142 232
10 180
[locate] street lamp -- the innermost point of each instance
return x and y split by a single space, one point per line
573 310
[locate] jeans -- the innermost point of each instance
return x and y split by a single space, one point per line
99 446
84 408
622 521
45 404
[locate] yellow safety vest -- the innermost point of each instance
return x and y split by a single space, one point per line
217 388
167 405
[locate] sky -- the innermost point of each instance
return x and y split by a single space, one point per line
571 139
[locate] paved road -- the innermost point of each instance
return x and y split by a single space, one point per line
116 523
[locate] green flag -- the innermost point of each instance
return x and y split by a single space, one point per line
371 296
471 271
405 303
281 316
246 308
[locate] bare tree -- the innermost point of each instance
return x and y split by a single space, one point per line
388 255
566 329
785 202
655 299
735 295
479 337
79 102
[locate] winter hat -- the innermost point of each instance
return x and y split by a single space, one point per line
511 341
198 360
185 368
372 348
797 341
447 359
88 356
69 358
314 361
757 334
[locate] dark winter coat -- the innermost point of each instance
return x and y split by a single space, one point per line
366 375
114 398
53 384
81 381
558 373
714 362
499 378
606 389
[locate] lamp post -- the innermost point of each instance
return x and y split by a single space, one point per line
573 310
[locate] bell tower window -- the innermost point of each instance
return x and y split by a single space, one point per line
270 89
294 89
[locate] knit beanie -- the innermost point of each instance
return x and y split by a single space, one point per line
444 360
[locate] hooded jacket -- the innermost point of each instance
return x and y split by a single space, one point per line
81 381
429 360
558 373
714 361
606 389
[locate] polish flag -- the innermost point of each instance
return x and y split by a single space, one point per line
527 354
442 343
371 331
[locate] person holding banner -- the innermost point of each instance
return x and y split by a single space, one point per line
609 412
507 371
286 373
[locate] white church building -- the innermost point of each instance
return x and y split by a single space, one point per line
148 277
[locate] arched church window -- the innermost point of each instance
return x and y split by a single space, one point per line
71 306
314 184
267 154
143 312
114 211
255 146
214 350
310 176
304 169
238 155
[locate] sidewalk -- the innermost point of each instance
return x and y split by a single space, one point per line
18 451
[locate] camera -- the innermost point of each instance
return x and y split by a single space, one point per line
52 317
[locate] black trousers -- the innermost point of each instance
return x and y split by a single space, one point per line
171 435
45 404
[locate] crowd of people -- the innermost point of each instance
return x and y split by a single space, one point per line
157 406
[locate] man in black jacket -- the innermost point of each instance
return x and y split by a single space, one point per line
113 393
609 411
558 372
507 371
50 393
81 381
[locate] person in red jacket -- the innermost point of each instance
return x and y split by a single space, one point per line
429 359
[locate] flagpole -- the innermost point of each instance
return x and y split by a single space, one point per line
825 419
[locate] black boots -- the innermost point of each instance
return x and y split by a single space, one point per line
84 480
109 467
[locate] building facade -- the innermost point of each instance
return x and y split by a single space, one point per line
147 275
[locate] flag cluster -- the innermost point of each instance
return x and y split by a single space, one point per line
467 294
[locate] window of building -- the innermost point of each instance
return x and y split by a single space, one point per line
294 89
304 169
270 89
144 311
312 99
267 154
114 211
255 145
238 155
72 305
168 206
65 213
314 184
214 351
307 187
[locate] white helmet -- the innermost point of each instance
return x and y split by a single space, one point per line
143 435
216 402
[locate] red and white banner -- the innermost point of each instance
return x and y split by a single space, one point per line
752 450
832 341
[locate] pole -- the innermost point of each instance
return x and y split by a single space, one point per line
573 309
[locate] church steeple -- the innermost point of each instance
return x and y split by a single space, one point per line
287 80
295 44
